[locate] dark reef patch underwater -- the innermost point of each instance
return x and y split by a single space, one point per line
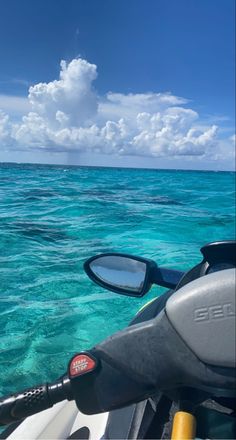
53 218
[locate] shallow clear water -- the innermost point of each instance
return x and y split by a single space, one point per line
53 218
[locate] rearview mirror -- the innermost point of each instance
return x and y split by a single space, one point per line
121 273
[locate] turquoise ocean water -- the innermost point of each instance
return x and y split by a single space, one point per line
53 218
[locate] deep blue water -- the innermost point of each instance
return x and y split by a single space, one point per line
53 218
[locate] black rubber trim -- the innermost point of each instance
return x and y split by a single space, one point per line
10 428
81 434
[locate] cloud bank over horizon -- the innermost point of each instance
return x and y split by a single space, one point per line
68 115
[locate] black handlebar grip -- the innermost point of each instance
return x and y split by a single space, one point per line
24 404
33 400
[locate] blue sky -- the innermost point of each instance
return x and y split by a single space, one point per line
145 82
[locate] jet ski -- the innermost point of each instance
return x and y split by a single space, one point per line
170 374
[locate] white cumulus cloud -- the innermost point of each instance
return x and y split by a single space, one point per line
5 130
70 99
67 114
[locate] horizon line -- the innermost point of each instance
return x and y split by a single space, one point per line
116 167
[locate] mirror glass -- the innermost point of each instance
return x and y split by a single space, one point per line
122 272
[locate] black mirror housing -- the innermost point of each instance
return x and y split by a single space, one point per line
145 286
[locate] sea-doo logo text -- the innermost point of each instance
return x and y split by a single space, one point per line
218 311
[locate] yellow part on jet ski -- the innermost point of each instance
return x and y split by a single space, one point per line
145 305
184 426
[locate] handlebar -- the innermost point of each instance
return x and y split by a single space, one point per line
33 400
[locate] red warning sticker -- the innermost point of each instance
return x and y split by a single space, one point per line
81 364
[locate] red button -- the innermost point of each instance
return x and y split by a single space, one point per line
81 364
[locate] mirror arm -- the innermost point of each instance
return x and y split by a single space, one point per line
164 277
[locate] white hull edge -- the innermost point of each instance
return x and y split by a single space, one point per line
59 422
